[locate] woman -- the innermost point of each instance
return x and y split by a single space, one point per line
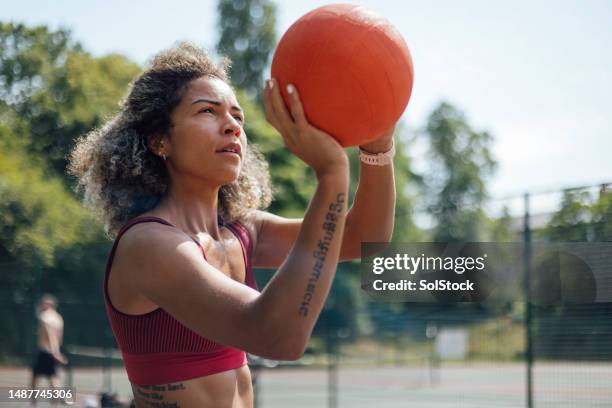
173 178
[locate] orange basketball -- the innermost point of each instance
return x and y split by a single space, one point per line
352 69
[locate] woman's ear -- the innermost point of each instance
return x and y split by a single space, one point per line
158 144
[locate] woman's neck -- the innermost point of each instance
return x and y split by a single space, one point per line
192 210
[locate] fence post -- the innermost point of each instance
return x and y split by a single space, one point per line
107 370
332 370
528 310
69 372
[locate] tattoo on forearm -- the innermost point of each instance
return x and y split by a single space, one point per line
152 396
329 227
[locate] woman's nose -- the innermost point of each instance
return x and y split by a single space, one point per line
232 127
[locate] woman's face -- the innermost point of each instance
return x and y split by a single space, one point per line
207 141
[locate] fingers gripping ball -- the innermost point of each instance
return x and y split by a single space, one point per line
352 68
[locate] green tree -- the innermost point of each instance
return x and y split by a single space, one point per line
39 220
601 216
37 213
581 218
461 161
500 229
247 37
572 222
28 57
58 89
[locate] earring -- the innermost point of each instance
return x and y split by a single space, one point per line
163 156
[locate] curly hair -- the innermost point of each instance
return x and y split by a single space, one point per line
118 173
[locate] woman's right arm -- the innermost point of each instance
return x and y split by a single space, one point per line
294 297
168 268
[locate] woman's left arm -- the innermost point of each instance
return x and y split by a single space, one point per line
370 218
372 214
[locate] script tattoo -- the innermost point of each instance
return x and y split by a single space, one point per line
152 396
329 227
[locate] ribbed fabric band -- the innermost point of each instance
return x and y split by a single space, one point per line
157 348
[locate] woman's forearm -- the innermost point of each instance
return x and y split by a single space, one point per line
372 214
293 299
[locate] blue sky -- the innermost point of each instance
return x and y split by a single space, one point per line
537 75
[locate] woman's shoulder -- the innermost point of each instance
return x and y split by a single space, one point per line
145 236
150 253
146 227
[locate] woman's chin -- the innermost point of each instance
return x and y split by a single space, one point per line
229 176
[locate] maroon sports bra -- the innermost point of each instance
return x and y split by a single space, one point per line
157 348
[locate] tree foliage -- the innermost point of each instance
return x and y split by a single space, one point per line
581 218
247 37
37 214
461 161
58 89
601 217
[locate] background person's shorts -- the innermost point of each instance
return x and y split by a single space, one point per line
44 364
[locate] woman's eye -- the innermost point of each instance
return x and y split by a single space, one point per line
239 118
206 110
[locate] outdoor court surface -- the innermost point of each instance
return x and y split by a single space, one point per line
582 385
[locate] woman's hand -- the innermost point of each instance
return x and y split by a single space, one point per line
381 144
313 146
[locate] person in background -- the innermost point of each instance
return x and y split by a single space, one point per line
50 335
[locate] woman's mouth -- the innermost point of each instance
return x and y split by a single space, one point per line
232 148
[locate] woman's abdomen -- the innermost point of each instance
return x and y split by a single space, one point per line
228 389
